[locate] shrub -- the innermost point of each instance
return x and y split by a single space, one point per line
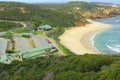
11 51
26 36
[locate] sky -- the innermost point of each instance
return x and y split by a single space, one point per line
62 1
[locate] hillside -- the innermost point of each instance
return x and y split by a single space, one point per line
87 10
62 15
59 16
4 26
38 15
87 67
70 66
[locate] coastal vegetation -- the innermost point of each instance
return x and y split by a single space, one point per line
72 67
11 51
21 31
60 17
5 26
8 35
26 36
38 33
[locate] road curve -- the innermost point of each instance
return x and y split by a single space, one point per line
25 25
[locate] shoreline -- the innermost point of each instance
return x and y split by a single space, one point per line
78 39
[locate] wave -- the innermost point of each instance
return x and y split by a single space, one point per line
111 40
117 21
116 48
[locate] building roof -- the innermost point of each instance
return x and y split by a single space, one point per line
45 27
26 54
33 55
35 49
6 59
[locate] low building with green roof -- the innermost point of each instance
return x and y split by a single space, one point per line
44 27
7 59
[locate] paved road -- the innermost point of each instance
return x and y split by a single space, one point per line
2 33
25 25
22 44
3 46
39 41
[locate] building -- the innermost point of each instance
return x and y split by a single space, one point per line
44 27
32 53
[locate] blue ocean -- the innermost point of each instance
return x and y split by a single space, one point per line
108 41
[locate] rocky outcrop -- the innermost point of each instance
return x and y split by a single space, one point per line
2 9
101 12
23 10
79 23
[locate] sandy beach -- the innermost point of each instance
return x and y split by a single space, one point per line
78 39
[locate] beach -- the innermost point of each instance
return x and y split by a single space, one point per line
78 39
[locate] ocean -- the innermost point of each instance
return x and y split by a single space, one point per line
108 41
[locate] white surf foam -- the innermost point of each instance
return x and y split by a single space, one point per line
93 37
111 40
117 21
117 46
114 48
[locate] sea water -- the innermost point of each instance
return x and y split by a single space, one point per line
108 41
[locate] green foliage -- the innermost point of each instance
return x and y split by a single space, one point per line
8 35
36 14
22 31
38 33
69 7
111 72
70 67
57 31
54 51
26 36
59 16
5 25
84 67
11 51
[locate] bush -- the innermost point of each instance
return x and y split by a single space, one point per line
72 67
26 36
38 33
8 35
11 51
21 31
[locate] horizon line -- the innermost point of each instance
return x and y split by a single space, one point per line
58 2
